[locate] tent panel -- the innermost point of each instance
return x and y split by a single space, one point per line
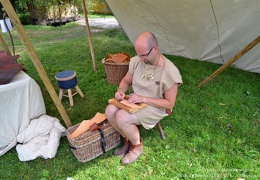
202 30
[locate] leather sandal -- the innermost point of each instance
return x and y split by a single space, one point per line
134 153
120 152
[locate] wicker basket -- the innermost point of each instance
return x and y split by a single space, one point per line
87 145
115 71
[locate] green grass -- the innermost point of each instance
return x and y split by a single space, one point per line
213 134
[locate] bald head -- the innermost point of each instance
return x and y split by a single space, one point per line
146 47
146 40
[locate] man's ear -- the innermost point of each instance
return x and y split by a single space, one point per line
156 48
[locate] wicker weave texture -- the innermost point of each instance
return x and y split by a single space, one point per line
115 71
87 145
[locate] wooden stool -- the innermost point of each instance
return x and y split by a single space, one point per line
161 131
159 128
67 80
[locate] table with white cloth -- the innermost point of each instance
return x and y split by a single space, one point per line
20 101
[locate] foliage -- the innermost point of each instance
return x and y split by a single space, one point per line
21 7
91 5
24 18
23 13
214 132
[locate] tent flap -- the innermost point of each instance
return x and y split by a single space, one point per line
212 31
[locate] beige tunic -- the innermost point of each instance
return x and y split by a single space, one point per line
164 78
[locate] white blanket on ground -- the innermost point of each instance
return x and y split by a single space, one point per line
40 139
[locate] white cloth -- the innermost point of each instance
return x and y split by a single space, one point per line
40 139
20 101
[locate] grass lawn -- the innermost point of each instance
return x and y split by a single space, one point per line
213 133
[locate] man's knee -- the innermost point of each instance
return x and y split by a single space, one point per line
123 118
111 109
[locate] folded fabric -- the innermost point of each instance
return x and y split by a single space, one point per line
40 139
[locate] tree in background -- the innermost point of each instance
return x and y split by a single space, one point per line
97 6
54 11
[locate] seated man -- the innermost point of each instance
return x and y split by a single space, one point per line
154 80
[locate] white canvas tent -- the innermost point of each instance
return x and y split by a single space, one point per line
207 30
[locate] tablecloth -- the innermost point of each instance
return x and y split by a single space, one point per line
20 101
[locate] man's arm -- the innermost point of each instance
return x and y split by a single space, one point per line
168 102
123 86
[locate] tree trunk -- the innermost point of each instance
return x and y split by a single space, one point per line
32 11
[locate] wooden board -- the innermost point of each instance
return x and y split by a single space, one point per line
123 105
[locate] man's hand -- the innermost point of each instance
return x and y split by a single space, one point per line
134 98
120 94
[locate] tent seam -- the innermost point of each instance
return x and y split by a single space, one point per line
160 26
214 14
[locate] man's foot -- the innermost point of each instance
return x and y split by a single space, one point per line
120 152
134 153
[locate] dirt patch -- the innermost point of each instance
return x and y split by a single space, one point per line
100 23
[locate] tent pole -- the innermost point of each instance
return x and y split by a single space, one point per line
233 59
89 35
37 63
8 52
